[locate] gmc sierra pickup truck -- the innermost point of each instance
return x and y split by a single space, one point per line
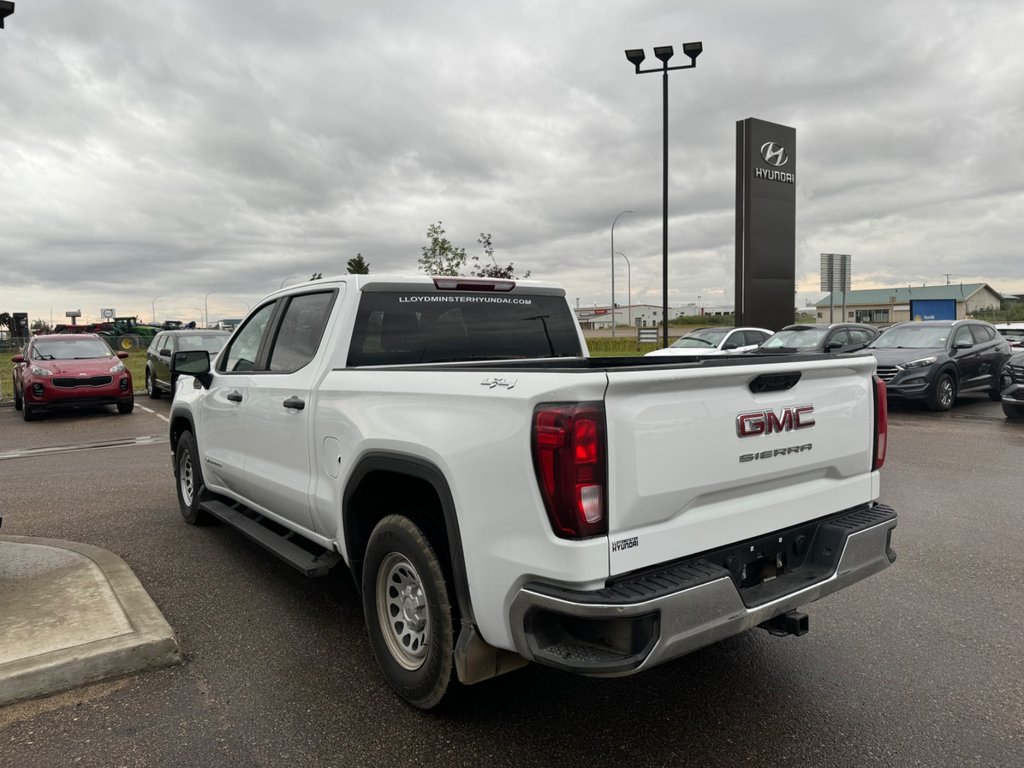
500 497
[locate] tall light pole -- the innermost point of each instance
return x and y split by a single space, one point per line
613 268
636 57
206 309
629 287
154 308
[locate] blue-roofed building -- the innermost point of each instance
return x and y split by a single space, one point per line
882 306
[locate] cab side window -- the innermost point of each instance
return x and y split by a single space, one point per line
299 331
245 347
963 336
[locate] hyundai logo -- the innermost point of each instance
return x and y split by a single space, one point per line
774 154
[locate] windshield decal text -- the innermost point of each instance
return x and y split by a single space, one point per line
464 300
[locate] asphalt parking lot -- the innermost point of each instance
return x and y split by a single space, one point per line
918 666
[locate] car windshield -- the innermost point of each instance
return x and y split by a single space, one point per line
796 338
71 349
912 337
702 337
198 341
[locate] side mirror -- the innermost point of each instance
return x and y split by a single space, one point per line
834 345
18 359
962 345
165 353
122 354
193 362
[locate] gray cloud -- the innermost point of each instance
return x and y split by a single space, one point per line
169 150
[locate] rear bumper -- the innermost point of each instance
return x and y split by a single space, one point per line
641 621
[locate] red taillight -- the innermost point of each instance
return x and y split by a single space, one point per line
881 423
569 458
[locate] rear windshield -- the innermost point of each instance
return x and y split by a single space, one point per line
399 328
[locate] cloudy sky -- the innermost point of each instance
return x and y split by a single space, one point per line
179 155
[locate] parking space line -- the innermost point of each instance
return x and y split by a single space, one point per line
150 410
120 443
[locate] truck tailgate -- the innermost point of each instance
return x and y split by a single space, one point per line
698 458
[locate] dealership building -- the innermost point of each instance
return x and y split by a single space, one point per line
892 305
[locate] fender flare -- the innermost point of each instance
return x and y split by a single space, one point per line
424 470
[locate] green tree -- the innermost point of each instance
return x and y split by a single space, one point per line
40 326
440 256
357 266
492 269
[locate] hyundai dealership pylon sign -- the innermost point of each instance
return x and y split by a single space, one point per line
765 223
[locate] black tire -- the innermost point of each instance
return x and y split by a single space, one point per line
943 393
996 393
152 389
1013 411
188 480
17 398
28 412
408 611
126 406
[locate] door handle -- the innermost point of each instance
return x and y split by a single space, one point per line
235 397
295 402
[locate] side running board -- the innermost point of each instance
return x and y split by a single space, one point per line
275 538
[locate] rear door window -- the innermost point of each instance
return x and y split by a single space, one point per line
300 330
982 333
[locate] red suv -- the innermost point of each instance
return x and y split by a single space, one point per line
70 370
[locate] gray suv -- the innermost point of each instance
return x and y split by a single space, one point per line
936 360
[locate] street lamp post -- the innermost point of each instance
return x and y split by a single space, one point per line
629 287
613 268
154 308
636 57
206 309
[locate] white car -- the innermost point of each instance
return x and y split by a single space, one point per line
716 340
1012 332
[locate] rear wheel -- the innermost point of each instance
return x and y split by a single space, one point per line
151 388
943 393
408 611
996 393
189 476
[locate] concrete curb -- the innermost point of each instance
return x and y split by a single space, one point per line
130 636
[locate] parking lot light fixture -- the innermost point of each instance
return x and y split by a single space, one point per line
6 9
663 53
154 308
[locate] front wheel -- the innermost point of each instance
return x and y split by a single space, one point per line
943 393
126 406
189 476
151 388
1013 411
408 611
17 398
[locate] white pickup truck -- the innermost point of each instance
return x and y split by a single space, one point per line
500 497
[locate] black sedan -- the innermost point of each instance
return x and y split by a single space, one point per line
935 360
1012 386
835 338
160 374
